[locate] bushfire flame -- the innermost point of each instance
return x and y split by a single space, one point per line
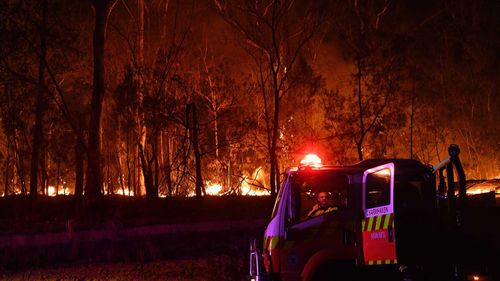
212 188
249 186
124 192
51 191
255 181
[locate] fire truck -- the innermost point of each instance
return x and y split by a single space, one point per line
385 219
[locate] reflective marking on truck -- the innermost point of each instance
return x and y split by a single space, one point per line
271 242
378 235
381 262
386 221
377 211
370 223
375 223
379 220
376 245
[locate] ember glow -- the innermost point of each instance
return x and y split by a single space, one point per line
485 187
253 185
249 185
212 188
247 189
124 192
51 191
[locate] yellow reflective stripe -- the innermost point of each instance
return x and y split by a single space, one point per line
386 222
274 242
381 262
370 224
363 222
379 221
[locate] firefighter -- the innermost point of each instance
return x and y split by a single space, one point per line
324 205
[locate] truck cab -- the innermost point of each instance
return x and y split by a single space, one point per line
375 219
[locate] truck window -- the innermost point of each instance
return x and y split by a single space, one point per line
315 193
378 189
278 198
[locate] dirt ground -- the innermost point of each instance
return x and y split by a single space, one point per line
220 267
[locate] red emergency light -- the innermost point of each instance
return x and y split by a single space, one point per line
311 160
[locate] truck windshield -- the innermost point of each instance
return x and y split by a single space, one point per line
317 192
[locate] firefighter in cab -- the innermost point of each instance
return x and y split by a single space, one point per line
324 205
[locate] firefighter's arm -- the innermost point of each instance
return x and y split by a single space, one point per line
313 210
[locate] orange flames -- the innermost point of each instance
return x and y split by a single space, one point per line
249 185
51 191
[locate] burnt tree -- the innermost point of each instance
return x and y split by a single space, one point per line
40 105
102 9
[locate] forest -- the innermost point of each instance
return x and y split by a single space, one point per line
171 98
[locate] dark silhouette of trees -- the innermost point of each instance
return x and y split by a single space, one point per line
277 32
40 103
413 78
157 102
366 42
102 9
192 124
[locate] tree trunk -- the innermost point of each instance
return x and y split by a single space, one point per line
109 182
58 176
270 150
40 105
129 172
45 176
359 149
140 32
192 122
93 186
136 172
79 159
19 165
7 166
168 168
412 118
120 170
278 176
273 156
147 171
274 138
79 167
156 168
359 143
140 89
229 187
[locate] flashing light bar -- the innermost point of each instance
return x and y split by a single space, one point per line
311 160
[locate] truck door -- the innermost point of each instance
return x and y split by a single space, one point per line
315 234
377 225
